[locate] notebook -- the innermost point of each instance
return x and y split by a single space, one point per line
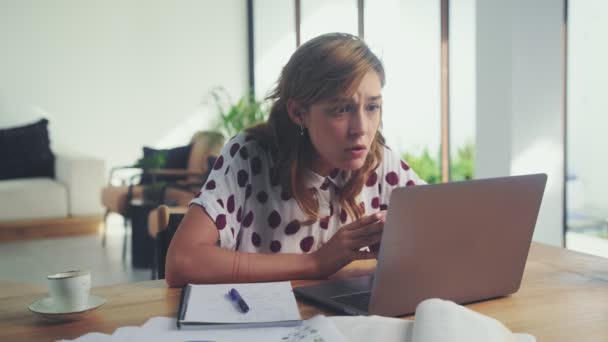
211 306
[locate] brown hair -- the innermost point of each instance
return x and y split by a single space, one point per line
323 68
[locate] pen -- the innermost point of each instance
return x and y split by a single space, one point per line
237 298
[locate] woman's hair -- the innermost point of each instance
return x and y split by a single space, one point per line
326 67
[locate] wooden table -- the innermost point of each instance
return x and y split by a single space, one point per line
563 297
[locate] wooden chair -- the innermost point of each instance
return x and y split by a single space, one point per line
168 219
182 184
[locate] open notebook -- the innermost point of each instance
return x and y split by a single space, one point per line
210 306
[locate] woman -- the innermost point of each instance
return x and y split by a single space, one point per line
301 195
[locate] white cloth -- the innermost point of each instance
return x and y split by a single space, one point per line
436 321
441 320
254 214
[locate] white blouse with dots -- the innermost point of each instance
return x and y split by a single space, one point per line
254 214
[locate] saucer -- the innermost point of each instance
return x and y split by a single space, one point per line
44 308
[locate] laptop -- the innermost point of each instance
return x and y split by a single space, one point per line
464 241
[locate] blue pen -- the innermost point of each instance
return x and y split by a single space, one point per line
237 298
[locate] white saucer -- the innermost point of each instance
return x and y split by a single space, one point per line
44 308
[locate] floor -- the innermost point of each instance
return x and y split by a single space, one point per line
31 261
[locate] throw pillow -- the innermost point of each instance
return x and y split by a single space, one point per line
25 152
175 158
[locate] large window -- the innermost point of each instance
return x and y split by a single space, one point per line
275 40
322 16
462 88
587 124
430 95
407 36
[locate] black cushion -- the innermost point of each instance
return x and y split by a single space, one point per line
25 152
175 158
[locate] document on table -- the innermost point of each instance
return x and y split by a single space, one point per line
163 329
436 321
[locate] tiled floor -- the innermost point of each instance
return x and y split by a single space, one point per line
30 261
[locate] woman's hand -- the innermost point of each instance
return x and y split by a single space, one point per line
345 245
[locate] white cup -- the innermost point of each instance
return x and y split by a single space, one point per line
70 290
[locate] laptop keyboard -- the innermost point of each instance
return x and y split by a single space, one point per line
358 300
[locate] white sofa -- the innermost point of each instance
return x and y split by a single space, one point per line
74 192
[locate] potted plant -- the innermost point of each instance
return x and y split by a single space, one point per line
234 117
427 166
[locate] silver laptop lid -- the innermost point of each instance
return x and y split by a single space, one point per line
462 241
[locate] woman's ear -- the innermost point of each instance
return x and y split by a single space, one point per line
295 111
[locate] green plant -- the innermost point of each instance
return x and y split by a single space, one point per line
156 161
462 165
428 167
235 117
153 192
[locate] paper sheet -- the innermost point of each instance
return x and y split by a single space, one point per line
436 321
316 329
157 329
91 337
160 323
374 328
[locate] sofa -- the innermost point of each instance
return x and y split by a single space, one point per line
72 193
44 194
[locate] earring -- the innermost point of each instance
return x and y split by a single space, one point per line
301 130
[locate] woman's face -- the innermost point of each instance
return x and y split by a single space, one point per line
342 129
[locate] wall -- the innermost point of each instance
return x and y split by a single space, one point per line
519 99
115 75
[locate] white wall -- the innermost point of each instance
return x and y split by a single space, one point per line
115 75
519 99
587 103
493 95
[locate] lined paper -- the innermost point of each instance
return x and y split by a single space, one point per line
268 302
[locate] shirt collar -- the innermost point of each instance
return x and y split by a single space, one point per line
336 177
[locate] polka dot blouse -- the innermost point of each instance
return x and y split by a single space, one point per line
253 213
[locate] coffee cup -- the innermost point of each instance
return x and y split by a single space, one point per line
70 290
